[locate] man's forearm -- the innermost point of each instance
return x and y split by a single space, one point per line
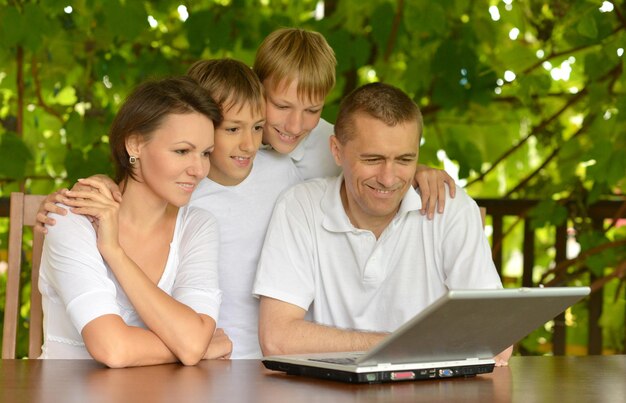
301 336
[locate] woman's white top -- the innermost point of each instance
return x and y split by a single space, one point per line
77 285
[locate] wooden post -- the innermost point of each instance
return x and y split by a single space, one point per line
529 254
558 336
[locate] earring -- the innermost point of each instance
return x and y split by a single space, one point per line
132 159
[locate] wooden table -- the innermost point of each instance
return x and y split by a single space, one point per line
527 379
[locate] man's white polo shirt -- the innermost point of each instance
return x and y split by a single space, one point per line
314 258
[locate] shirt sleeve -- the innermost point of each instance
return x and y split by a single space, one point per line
197 284
73 266
465 250
287 264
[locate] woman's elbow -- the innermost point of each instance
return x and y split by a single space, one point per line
111 356
192 353
193 348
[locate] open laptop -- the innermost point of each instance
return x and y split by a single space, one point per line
457 335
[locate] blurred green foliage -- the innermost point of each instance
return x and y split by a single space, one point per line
527 98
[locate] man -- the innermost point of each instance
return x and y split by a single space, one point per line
348 259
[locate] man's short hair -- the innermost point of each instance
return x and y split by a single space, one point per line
289 54
230 83
380 101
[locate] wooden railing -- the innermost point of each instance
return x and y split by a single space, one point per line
497 209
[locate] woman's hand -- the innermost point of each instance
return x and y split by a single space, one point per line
49 205
220 346
98 203
431 183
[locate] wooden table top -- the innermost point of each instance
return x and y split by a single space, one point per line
527 379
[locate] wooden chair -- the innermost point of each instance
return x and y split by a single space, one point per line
483 215
22 213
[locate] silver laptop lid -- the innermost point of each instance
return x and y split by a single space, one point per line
467 324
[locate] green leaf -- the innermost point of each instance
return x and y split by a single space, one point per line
547 212
11 27
609 166
587 27
596 192
196 25
448 94
126 21
67 96
219 37
75 165
34 24
621 101
382 25
82 132
464 152
82 165
612 323
600 262
597 64
426 17
15 156
616 167
356 49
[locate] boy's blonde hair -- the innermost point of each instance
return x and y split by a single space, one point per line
289 54
230 83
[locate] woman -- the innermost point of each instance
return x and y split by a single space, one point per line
135 282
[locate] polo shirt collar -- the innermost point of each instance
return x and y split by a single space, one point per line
335 217
298 153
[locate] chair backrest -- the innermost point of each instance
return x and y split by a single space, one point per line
483 215
22 213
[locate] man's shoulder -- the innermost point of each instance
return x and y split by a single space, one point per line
458 210
460 199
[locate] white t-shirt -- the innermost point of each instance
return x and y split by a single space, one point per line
77 285
243 212
312 156
314 258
